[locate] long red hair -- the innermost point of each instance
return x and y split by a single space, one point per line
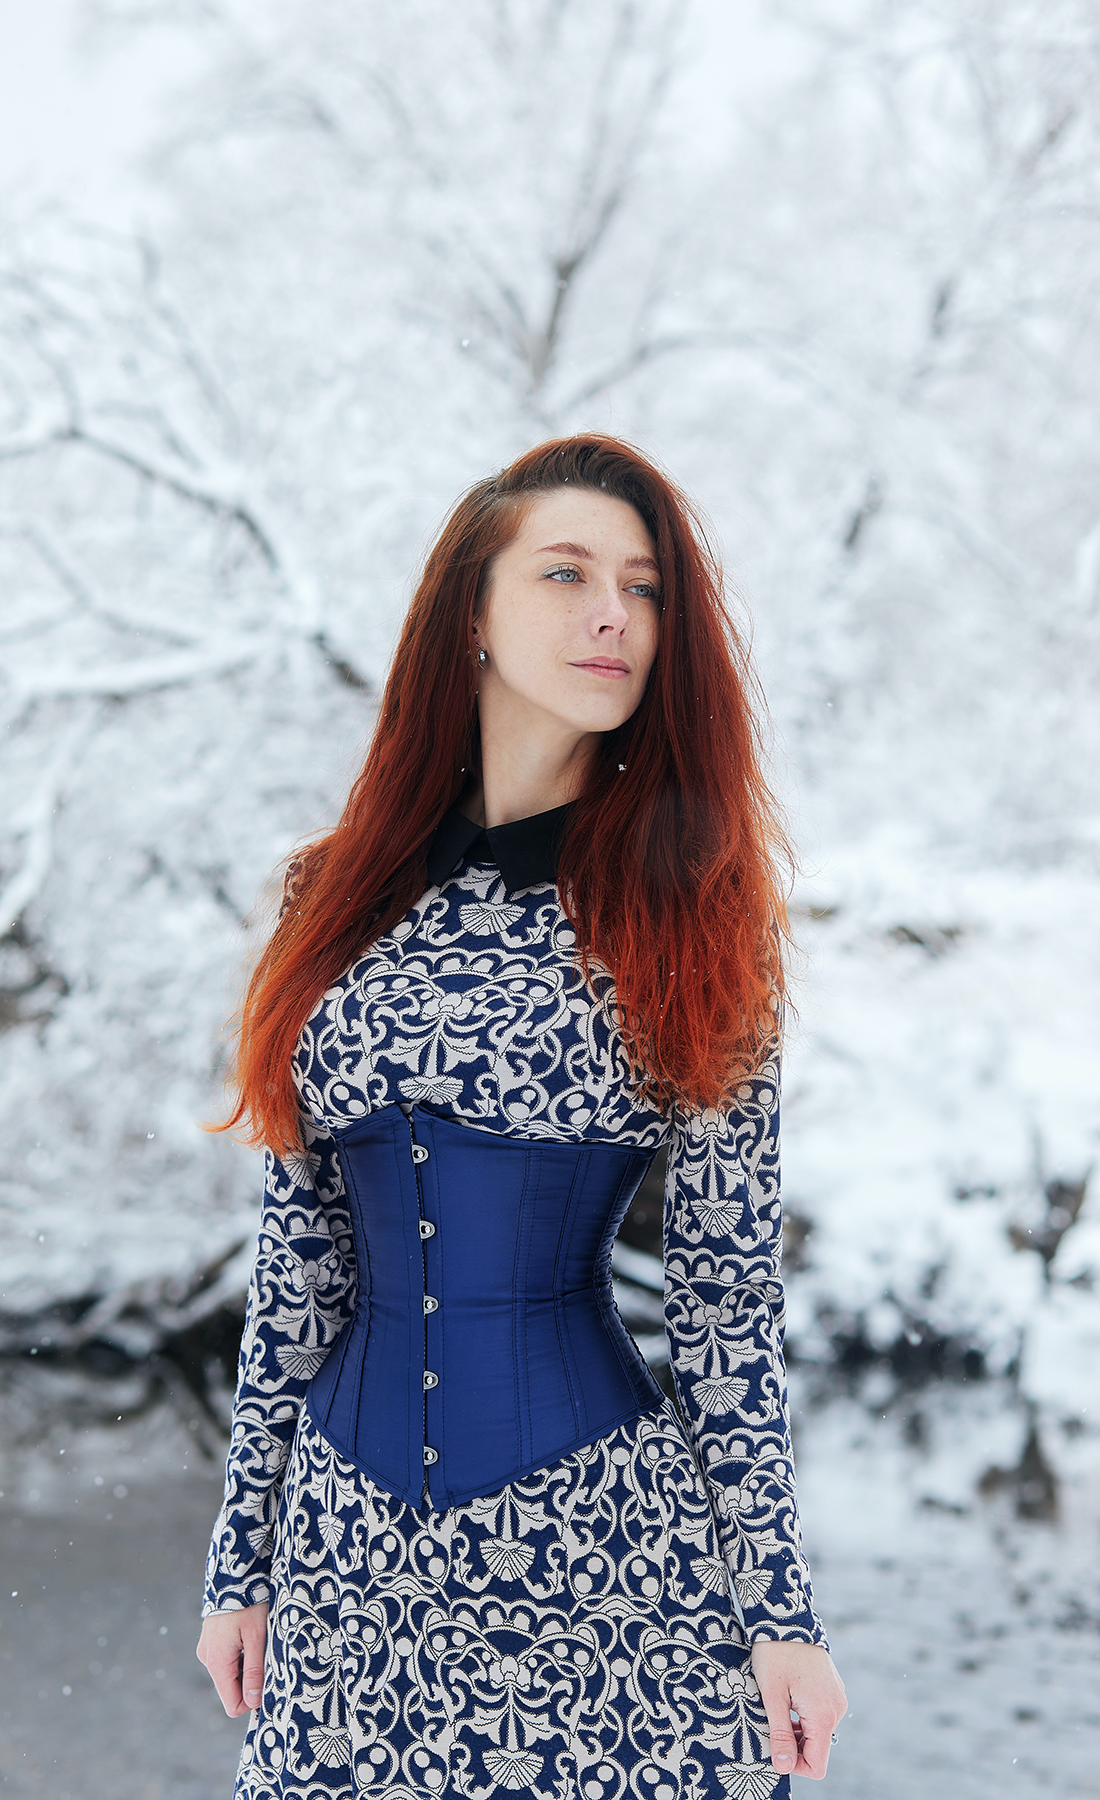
670 870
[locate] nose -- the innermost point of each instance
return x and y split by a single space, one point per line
608 612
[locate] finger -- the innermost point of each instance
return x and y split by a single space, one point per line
223 1665
814 1750
815 1747
776 1696
253 1665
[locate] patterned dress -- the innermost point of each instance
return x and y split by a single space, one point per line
584 1630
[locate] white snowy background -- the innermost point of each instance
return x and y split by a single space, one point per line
278 278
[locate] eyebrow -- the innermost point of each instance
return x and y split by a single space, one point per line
579 550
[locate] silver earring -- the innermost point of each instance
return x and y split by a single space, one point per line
482 656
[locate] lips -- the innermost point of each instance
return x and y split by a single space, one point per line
605 665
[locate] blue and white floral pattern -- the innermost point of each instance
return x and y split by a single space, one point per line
569 1635
474 1003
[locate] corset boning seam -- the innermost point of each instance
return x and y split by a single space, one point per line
519 1321
561 1295
609 1312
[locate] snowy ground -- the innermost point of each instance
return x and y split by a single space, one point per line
102 1698
970 1643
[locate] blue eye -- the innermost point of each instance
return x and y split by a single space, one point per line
572 575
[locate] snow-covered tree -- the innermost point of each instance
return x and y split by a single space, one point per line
403 240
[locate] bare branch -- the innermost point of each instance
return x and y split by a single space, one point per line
870 504
195 362
341 668
676 344
142 675
543 347
220 491
34 821
80 585
223 497
601 191
31 443
1086 571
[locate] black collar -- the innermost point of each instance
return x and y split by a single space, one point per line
525 850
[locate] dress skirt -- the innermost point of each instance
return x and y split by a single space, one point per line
569 1637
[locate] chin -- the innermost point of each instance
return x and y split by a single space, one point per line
601 722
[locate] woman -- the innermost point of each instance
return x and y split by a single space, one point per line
542 942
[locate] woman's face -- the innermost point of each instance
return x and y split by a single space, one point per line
570 618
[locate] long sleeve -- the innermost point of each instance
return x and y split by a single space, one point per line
301 1292
724 1317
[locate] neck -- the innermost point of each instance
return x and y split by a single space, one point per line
525 772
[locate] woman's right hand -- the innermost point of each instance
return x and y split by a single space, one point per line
231 1649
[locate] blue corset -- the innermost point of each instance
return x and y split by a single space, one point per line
485 1341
